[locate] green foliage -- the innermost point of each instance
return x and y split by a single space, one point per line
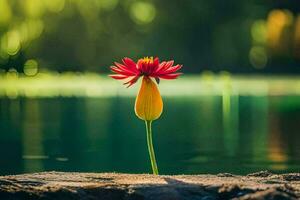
79 35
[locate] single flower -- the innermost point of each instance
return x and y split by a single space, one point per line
148 103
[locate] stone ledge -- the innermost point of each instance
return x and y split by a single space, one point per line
111 186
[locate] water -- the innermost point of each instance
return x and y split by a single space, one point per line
196 134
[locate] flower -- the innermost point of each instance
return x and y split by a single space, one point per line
144 67
148 103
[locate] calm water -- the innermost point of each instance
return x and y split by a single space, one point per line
199 134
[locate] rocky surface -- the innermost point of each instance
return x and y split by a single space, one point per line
111 186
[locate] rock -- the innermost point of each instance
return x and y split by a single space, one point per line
111 186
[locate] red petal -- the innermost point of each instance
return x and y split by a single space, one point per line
161 65
169 64
120 71
156 62
169 76
173 69
165 67
118 76
132 81
130 64
125 68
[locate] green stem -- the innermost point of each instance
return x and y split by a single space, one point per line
150 147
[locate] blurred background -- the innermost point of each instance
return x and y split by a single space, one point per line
239 97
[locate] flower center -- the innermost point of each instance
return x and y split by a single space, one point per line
145 65
147 60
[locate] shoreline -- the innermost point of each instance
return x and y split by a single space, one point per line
111 186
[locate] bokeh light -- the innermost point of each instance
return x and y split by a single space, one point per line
31 67
259 32
142 12
258 57
278 20
10 43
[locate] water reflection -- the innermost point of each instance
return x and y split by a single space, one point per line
32 137
194 135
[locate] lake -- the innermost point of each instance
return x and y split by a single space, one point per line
209 125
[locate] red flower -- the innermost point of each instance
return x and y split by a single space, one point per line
144 67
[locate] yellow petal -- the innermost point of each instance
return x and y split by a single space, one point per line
148 103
